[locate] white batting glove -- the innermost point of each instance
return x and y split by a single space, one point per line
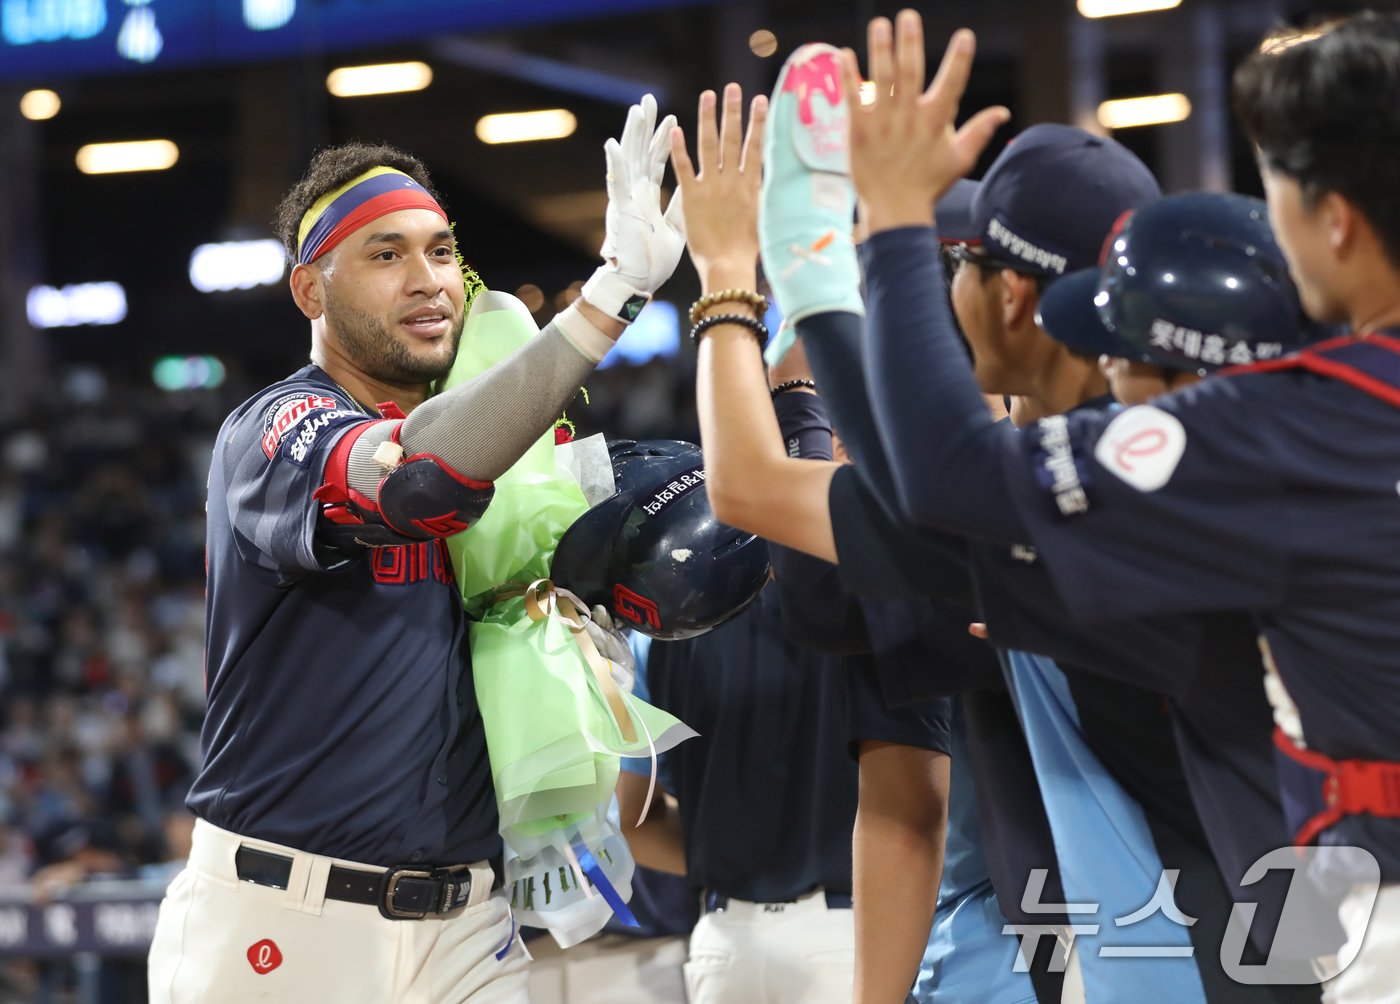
643 245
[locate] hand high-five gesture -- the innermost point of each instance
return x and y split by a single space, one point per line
642 245
720 188
905 149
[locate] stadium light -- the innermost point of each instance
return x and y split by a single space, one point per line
526 127
84 303
268 15
1117 8
1152 109
379 78
139 155
39 105
216 268
175 373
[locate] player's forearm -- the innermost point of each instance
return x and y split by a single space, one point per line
484 426
902 816
944 450
657 841
751 481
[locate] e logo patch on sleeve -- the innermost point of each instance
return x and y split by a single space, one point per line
1142 446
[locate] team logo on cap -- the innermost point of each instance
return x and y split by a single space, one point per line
1018 247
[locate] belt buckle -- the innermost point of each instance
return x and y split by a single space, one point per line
390 885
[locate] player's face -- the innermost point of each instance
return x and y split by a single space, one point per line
394 297
1132 382
977 307
1301 231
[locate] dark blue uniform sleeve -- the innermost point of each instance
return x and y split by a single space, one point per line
817 612
941 443
1022 608
832 341
922 649
879 558
925 725
1173 507
273 452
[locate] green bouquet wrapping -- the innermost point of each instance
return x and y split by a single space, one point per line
556 722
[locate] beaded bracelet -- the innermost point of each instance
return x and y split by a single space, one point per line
759 329
788 385
757 301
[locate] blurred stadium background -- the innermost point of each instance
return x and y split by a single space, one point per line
142 295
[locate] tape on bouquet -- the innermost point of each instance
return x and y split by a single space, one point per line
544 599
568 606
585 864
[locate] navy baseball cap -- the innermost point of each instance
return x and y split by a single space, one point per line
1069 312
1048 202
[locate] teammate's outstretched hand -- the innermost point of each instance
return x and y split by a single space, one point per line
719 189
905 150
642 245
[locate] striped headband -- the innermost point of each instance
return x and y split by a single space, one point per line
341 211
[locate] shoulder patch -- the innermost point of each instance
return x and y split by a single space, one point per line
293 422
1142 446
1056 468
283 414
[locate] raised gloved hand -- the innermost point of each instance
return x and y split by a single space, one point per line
642 245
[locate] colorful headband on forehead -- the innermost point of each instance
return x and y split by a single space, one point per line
341 211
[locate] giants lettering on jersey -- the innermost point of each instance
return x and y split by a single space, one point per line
286 412
405 564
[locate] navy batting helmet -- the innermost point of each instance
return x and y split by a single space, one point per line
1189 282
653 554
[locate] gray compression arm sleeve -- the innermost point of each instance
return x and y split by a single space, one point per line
483 427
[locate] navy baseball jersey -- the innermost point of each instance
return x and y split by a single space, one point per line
1269 492
1265 492
768 791
341 718
1206 665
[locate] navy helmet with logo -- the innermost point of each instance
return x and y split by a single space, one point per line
1190 282
653 553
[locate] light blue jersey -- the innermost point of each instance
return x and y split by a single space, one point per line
968 959
1105 850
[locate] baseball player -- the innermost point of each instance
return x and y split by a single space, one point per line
1177 506
346 846
919 650
764 805
1018 841
1205 254
1122 725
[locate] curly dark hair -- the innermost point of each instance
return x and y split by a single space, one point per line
333 167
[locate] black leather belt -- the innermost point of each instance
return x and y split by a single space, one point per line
403 892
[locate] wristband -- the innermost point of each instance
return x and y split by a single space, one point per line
788 385
757 301
759 329
609 291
